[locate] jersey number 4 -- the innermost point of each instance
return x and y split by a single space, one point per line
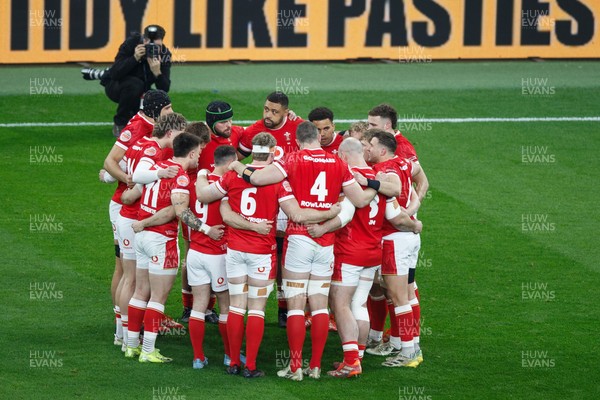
319 188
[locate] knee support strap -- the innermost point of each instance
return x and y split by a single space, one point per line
318 287
237 288
294 287
255 292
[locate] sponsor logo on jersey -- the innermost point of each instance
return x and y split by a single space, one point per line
150 151
278 153
125 136
183 180
319 160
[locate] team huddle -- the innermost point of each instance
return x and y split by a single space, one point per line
329 216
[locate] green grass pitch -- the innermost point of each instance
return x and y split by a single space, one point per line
508 275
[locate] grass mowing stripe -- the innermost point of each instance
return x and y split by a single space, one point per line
342 121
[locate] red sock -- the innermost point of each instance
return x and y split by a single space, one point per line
404 317
416 310
235 333
377 312
187 298
350 352
361 350
152 320
224 337
212 302
136 316
196 326
296 333
318 335
395 329
255 328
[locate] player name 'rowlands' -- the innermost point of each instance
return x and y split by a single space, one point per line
314 204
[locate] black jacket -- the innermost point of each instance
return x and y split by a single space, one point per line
126 65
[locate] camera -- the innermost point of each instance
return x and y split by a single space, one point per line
152 50
90 74
152 33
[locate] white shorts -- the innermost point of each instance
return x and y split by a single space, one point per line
126 237
257 266
305 255
349 275
203 269
400 253
113 212
157 253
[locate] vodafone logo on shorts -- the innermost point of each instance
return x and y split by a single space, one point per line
261 269
126 242
125 136
183 180
220 280
154 259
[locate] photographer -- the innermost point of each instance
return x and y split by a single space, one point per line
141 62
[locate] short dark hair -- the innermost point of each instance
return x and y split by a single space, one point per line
307 132
169 122
184 144
223 154
320 113
199 129
279 98
385 111
386 139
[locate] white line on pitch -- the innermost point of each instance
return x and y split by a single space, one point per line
343 121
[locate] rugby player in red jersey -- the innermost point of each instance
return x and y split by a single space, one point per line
156 103
205 264
400 253
250 254
218 116
358 253
140 157
385 117
322 117
317 178
156 246
277 121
